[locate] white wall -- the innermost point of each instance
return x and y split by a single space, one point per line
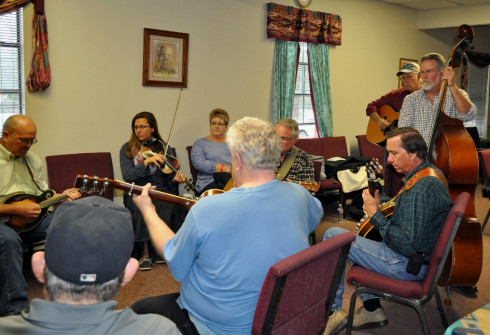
95 51
454 16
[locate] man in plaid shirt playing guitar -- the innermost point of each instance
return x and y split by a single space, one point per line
420 209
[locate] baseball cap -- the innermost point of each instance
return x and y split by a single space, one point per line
89 241
409 67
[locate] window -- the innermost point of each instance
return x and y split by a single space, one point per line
303 108
11 65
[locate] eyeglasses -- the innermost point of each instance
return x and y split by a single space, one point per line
286 139
427 72
140 127
221 124
25 141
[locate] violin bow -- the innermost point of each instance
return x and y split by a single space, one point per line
173 122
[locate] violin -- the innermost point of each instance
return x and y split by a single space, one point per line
158 147
171 165
149 149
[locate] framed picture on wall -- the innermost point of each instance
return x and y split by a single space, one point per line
404 61
165 56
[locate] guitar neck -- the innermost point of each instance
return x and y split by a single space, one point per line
83 182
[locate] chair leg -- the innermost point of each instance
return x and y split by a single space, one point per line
439 307
485 221
423 319
352 306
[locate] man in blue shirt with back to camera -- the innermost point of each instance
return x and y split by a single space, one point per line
229 241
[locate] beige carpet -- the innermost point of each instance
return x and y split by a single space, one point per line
403 320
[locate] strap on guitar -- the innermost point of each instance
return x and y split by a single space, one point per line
32 176
288 162
425 172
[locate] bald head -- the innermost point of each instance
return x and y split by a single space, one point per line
18 121
18 135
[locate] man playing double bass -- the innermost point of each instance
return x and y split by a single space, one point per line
419 108
411 231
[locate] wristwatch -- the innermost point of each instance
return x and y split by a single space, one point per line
304 3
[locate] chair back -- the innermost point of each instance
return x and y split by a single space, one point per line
63 169
299 289
191 166
473 132
485 158
328 147
369 149
444 243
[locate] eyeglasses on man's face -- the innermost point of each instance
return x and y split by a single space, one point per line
430 71
25 141
221 124
286 139
140 127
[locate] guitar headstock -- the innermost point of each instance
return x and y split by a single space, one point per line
374 169
312 186
92 185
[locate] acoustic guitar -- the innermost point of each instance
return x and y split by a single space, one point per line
373 133
22 224
312 186
364 227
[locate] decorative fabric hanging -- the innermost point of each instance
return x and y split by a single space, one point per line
9 5
294 24
40 74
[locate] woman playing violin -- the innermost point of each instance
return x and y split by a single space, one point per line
139 167
210 155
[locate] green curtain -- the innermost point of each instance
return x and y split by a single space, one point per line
318 29
320 85
283 81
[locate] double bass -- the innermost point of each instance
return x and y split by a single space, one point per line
453 151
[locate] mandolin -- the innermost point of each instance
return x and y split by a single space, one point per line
21 224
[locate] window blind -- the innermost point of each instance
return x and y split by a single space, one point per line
11 65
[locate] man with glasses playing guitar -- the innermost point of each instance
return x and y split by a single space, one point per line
409 230
21 186
295 165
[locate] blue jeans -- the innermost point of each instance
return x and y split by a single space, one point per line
375 256
13 287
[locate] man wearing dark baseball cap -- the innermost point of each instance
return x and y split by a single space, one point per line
386 108
87 259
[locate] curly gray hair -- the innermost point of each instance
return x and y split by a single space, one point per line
256 141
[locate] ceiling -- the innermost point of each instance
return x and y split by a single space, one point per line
431 4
